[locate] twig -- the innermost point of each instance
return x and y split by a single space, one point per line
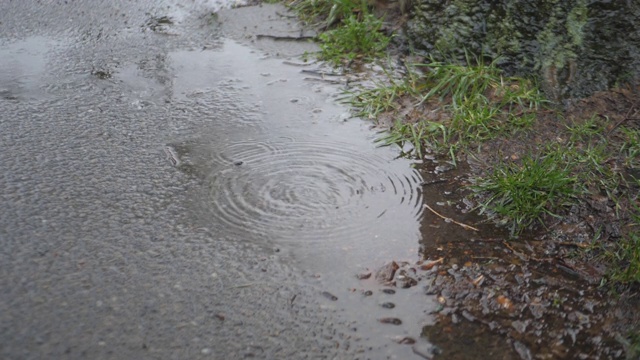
625 118
580 245
285 38
335 82
243 286
526 257
432 182
286 16
464 226
320 72
286 62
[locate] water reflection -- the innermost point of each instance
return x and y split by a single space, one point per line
299 180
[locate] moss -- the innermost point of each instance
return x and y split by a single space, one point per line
575 46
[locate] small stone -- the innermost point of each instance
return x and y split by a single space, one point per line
520 326
391 321
406 341
426 350
403 280
238 163
367 293
389 291
522 350
329 296
388 305
467 315
387 272
537 310
363 276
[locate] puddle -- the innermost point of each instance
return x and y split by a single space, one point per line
306 182
299 180
23 66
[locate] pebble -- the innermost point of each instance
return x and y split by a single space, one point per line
392 321
329 296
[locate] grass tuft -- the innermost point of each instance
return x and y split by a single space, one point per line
417 135
354 39
525 192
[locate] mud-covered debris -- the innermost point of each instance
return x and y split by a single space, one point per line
329 296
388 291
478 281
403 280
102 74
426 350
537 310
522 350
386 273
505 302
406 340
367 293
391 321
520 326
467 315
430 264
363 275
579 317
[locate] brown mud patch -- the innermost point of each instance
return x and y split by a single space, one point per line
542 293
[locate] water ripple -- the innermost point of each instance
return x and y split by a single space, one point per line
310 191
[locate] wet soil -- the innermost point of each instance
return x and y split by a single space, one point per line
537 293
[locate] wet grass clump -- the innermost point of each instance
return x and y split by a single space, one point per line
416 134
354 38
349 29
475 103
526 191
326 13
626 256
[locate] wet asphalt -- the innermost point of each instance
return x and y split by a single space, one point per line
106 251
98 259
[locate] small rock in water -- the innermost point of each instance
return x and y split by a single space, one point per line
329 296
238 163
391 321
363 276
389 291
388 305
407 341
426 350
403 280
367 293
386 273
